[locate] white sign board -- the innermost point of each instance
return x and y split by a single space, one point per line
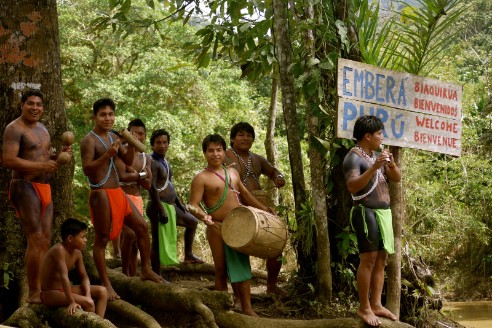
417 112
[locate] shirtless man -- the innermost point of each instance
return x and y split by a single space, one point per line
27 151
220 190
138 176
250 166
162 192
59 260
366 170
109 205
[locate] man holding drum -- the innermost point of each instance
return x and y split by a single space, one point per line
366 172
220 191
250 166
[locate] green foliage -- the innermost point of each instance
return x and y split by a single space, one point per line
303 228
7 276
149 77
448 207
425 33
346 246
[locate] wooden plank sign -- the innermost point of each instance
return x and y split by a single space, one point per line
403 128
418 112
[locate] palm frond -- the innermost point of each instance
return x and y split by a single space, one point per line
425 33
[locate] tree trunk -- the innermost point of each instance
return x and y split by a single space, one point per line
323 268
30 59
284 58
270 148
394 262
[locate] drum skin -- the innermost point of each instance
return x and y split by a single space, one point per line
254 232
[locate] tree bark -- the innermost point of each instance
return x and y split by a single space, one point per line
323 269
284 58
270 148
393 294
30 59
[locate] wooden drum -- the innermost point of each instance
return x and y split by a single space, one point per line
254 232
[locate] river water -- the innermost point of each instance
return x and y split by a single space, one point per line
476 314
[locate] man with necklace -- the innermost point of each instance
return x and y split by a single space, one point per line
366 169
109 205
165 209
250 167
217 190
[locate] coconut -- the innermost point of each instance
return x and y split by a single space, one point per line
68 138
64 158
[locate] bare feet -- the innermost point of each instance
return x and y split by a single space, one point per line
34 298
237 304
369 317
112 296
277 291
383 312
193 260
250 313
151 275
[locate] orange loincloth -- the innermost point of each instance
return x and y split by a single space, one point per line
120 207
137 201
43 190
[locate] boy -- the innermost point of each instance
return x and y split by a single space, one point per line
59 260
219 188
365 172
109 205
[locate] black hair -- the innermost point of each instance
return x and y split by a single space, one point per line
30 93
136 123
367 124
158 133
213 138
239 127
72 227
101 103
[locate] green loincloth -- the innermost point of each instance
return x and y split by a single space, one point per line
385 224
238 266
168 253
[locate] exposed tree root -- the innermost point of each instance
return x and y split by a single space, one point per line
205 268
28 316
24 317
127 311
171 298
229 319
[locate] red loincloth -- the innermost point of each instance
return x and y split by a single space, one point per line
137 201
120 207
43 190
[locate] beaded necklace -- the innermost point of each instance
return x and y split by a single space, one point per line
111 164
379 174
222 199
164 163
249 171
